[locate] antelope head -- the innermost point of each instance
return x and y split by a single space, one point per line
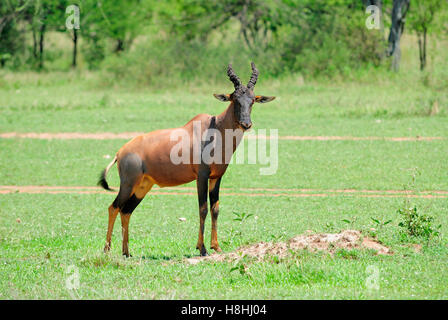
243 97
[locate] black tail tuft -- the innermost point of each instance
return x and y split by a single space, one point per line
102 182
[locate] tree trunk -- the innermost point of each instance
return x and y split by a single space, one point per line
41 46
422 48
399 11
120 46
34 43
422 67
75 47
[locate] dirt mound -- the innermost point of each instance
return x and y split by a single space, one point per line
329 242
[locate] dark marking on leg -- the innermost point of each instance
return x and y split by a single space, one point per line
202 186
126 212
214 209
130 205
131 173
123 195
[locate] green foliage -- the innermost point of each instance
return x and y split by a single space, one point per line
241 267
11 39
416 224
380 224
328 38
166 43
242 217
234 238
189 37
351 254
94 51
119 21
427 15
158 63
350 222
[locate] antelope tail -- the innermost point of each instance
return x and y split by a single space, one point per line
102 182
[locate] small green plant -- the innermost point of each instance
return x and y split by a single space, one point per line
276 238
347 254
373 232
234 236
330 227
380 224
241 217
350 222
241 267
416 224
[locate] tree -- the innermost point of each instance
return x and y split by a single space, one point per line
10 37
399 11
9 41
423 21
71 9
120 20
47 14
256 19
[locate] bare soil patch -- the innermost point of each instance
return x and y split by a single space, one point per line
130 135
70 135
327 242
248 192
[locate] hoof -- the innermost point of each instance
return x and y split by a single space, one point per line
202 251
106 249
217 248
127 255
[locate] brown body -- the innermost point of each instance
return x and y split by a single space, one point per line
154 149
145 161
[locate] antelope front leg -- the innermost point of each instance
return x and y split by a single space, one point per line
214 209
202 186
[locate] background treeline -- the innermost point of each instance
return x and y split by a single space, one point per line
151 41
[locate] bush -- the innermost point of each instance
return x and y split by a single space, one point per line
418 225
331 43
94 51
171 63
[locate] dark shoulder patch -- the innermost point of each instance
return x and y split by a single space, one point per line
212 123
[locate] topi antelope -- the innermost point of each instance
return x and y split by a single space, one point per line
146 160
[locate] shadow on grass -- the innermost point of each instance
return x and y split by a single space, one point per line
120 261
157 257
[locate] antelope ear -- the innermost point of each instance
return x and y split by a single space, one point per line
222 97
263 99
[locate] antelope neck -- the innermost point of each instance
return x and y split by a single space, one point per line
226 120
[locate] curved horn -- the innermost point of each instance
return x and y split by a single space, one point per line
254 77
233 77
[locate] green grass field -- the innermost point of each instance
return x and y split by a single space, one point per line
57 231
